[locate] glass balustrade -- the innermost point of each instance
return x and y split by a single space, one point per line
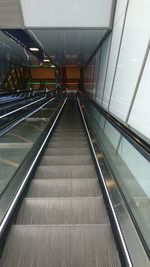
129 168
15 149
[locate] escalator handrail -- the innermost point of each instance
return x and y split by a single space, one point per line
138 142
23 118
21 108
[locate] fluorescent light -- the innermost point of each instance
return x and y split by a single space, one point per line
52 66
46 60
34 49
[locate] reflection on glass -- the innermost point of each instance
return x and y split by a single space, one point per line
10 158
16 144
130 169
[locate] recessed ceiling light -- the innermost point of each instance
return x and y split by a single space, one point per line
46 60
34 49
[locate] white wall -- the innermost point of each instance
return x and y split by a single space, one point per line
140 114
67 13
134 44
116 38
123 95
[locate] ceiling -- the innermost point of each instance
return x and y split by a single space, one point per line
68 47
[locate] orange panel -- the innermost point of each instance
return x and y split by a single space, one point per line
42 73
35 86
73 73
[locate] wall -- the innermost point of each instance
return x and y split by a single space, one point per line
70 77
42 73
122 82
42 77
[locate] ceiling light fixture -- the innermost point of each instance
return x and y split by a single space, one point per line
46 60
52 66
34 49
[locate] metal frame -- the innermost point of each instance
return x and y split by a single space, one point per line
107 68
124 229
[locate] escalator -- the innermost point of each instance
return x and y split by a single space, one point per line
63 220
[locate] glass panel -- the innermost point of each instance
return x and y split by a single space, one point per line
17 143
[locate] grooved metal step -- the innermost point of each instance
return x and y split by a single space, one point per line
65 246
48 211
65 131
68 144
46 172
66 160
67 151
72 128
69 134
64 188
69 139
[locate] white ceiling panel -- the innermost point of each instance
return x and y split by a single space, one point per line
68 46
67 13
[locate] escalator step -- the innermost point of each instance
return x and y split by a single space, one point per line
69 134
72 128
67 151
68 144
64 188
65 246
69 131
48 172
67 160
51 211
69 139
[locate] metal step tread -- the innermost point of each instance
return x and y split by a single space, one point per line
49 211
67 151
69 134
69 139
64 188
68 144
65 246
74 171
80 131
66 160
71 127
